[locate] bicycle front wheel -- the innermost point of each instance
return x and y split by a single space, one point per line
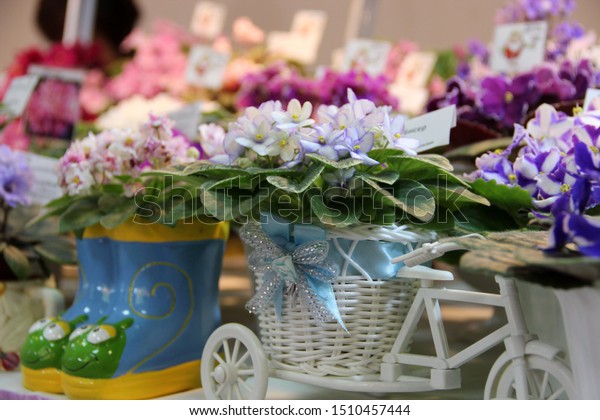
547 379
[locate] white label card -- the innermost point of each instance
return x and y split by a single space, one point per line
432 129
518 47
412 99
309 25
592 100
366 55
45 186
18 93
208 19
187 119
291 46
416 69
206 67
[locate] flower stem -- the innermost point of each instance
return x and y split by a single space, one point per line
5 212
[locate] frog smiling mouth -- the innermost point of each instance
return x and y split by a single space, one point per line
41 356
82 366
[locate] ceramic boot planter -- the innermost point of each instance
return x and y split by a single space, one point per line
42 352
162 307
151 294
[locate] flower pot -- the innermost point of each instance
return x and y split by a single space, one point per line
21 303
150 296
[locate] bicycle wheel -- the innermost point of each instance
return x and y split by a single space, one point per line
234 365
547 379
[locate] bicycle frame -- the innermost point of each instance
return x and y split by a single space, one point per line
445 373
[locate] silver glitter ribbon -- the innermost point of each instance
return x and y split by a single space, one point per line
300 273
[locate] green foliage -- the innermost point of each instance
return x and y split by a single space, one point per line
27 249
418 190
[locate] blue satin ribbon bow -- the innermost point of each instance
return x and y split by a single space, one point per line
295 267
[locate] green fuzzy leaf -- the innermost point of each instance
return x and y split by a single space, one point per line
510 199
119 214
341 164
386 177
213 170
80 215
423 168
477 149
59 250
115 189
183 210
233 182
311 175
437 160
334 213
17 261
415 199
267 171
454 197
472 219
59 202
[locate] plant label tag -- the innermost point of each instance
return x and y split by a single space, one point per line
208 20
432 129
309 25
18 93
518 47
592 100
187 119
206 67
53 110
366 55
291 46
412 98
45 186
416 68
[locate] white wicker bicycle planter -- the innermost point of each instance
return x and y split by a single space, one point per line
373 311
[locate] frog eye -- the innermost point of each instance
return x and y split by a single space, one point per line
80 330
101 333
56 331
39 324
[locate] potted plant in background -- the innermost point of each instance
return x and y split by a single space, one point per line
555 160
148 282
337 197
26 257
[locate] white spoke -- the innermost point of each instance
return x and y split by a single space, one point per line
238 393
226 351
242 359
229 392
533 385
244 385
545 382
218 358
236 349
245 372
556 394
219 390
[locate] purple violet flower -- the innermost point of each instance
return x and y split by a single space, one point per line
508 100
15 178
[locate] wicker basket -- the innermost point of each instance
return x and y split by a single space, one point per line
373 311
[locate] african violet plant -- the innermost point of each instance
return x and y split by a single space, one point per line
333 166
25 251
556 159
101 175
